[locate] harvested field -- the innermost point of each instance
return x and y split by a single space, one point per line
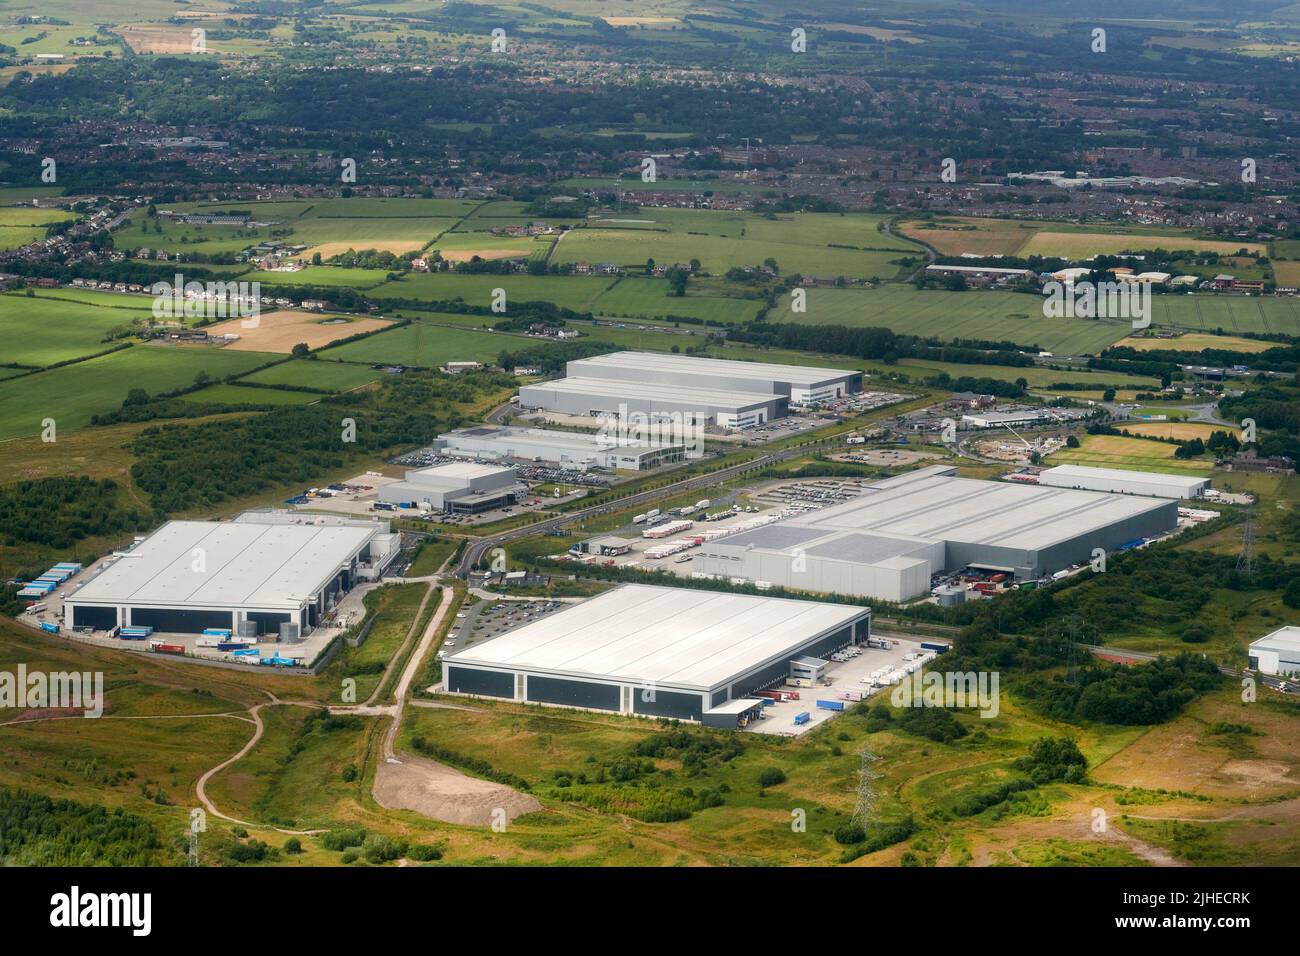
1078 245
328 250
984 237
156 37
280 331
1194 342
465 255
1183 431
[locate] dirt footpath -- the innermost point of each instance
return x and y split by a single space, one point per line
445 794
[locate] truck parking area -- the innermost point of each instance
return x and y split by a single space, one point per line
851 677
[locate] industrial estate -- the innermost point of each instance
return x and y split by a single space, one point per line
450 448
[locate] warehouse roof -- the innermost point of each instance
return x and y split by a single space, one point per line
276 566
931 504
1066 472
687 395
1283 639
759 371
457 472
661 636
573 441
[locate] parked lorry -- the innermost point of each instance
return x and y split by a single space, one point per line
830 704
802 718
49 628
936 646
158 647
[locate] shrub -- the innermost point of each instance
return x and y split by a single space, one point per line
771 776
849 834
293 845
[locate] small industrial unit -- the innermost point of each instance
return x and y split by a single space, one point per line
721 392
458 487
659 652
1119 481
1277 653
576 450
888 542
263 573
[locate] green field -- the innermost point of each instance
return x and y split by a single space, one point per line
576 292
1017 317
317 373
819 244
335 224
649 298
224 394
360 279
1115 451
426 345
71 394
46 328
984 315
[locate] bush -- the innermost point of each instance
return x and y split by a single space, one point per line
343 839
293 845
349 773
422 853
849 834
771 777
351 855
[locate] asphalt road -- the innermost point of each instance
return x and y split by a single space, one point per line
475 550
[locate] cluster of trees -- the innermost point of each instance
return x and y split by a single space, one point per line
60 511
1142 694
189 466
36 830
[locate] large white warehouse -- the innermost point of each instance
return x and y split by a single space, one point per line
724 392
579 450
888 542
655 651
1123 482
250 576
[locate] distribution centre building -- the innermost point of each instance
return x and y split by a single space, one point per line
250 576
656 652
577 450
724 392
1277 653
459 487
888 542
1124 482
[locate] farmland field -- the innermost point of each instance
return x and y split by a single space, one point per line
425 345
42 330
821 244
330 376
224 394
576 292
1017 317
280 331
1183 431
1079 245
986 315
329 226
649 298
958 235
1195 342
71 394
1114 451
360 279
